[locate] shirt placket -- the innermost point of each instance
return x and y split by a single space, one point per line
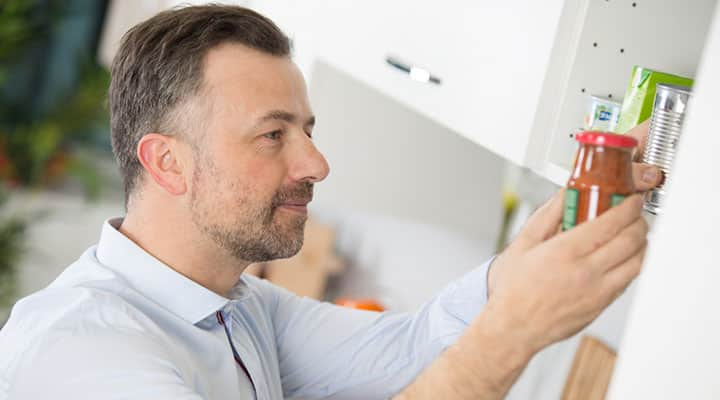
226 324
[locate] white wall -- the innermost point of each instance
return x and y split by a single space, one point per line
671 348
387 159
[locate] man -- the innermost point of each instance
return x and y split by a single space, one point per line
212 129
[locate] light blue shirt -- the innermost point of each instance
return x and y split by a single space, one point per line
120 324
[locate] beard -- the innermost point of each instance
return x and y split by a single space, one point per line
253 233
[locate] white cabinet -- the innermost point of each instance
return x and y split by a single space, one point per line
299 20
671 345
490 57
522 94
596 47
515 75
483 53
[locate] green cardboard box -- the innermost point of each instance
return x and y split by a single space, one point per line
640 95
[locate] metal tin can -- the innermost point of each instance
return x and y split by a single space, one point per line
663 138
602 114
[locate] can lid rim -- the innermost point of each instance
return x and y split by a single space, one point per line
678 88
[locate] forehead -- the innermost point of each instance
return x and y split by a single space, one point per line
239 78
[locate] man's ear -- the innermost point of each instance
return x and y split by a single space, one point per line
161 157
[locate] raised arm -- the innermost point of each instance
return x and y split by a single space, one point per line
327 351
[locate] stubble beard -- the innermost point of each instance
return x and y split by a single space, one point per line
253 234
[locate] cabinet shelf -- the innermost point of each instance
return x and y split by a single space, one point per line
597 45
515 76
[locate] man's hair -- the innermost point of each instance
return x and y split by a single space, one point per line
159 66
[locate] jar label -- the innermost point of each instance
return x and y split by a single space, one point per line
616 199
571 207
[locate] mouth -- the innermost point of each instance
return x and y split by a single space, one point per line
297 206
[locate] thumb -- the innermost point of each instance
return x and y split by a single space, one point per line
543 224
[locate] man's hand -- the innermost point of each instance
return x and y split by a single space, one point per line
624 221
544 287
645 177
548 286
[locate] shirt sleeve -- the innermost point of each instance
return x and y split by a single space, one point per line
332 352
100 365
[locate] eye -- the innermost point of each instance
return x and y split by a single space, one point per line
274 135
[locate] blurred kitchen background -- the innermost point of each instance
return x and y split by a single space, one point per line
58 178
434 166
410 205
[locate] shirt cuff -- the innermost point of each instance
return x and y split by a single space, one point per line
466 297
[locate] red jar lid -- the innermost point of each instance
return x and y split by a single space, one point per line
606 139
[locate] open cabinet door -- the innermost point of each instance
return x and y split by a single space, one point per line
671 347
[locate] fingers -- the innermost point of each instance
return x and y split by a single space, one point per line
646 176
640 133
620 248
591 235
543 224
617 279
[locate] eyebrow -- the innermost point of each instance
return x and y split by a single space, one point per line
280 115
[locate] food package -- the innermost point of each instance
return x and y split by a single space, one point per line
638 103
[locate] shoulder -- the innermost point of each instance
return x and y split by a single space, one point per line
63 308
86 298
266 293
61 327
86 343
71 311
280 304
259 288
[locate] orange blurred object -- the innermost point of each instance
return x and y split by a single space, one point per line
360 304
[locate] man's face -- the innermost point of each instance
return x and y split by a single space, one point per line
255 163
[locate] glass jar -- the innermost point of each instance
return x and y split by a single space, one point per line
601 177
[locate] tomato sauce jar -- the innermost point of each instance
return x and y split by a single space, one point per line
601 177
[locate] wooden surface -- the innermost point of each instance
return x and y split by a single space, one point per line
590 374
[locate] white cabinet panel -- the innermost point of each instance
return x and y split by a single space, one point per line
298 19
491 58
596 57
515 75
671 347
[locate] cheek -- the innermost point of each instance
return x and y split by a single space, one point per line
264 174
247 173
252 184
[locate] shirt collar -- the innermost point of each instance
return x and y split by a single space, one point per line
157 281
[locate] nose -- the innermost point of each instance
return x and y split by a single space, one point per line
309 165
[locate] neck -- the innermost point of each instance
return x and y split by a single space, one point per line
181 246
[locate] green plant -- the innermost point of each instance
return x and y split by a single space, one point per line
42 150
12 235
18 26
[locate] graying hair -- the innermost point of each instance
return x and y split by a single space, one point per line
159 67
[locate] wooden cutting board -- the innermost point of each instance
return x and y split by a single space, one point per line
591 370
